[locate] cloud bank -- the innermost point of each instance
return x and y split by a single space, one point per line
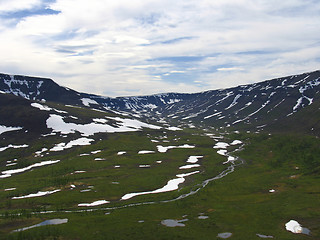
137 47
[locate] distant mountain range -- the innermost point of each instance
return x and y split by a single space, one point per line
290 103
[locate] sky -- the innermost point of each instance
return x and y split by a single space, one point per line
142 47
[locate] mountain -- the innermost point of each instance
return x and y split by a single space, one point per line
247 107
165 166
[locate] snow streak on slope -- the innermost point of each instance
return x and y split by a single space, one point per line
4 129
78 142
38 194
253 104
15 86
57 123
170 186
8 173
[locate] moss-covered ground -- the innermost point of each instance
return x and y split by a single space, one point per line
239 203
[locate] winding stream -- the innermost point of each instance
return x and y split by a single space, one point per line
231 168
238 161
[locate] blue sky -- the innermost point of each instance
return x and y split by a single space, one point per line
138 47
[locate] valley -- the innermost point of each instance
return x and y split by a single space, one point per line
169 166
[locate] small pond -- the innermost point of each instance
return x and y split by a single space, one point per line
264 236
224 235
44 223
174 223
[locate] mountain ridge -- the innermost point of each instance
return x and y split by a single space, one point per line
96 164
243 107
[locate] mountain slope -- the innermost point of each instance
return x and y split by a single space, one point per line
244 107
254 104
106 174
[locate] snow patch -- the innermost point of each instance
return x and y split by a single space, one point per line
193 159
38 153
163 149
77 142
234 102
95 203
174 129
100 120
210 116
87 101
144 166
293 226
236 142
8 129
38 194
8 173
189 166
57 123
145 152
172 101
13 146
41 107
230 159
170 186
151 106
222 152
221 145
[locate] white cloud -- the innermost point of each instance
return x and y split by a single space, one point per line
130 47
231 69
15 5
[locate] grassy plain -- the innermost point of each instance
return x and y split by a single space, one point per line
239 203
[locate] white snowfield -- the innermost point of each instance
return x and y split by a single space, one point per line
46 108
13 146
77 142
121 153
8 129
174 129
38 153
144 166
221 145
57 123
163 149
230 159
170 186
236 142
193 159
145 152
41 107
95 203
189 166
293 226
38 194
100 120
87 101
222 152
8 173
